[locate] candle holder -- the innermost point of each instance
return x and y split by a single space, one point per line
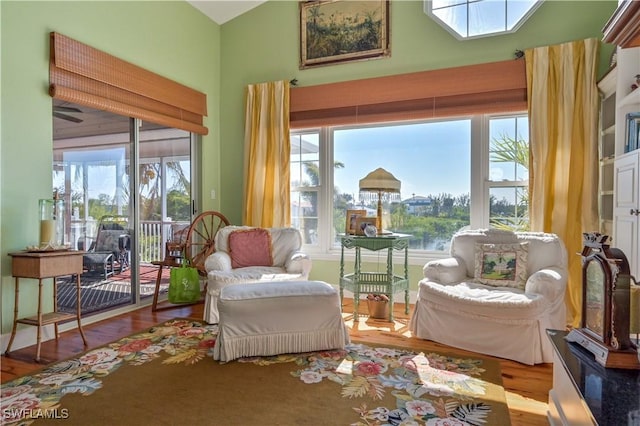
51 223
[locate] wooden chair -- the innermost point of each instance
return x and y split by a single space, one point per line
193 245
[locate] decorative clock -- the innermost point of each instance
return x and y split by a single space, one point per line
604 327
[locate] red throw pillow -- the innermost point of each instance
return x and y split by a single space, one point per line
250 247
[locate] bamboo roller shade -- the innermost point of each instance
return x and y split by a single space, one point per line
474 89
81 74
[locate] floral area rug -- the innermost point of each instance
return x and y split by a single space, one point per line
166 375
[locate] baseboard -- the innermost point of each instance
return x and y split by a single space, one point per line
27 335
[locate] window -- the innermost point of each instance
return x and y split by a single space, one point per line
480 18
305 184
509 173
455 173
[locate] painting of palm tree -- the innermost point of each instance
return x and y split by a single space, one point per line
338 31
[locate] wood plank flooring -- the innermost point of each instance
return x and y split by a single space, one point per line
526 387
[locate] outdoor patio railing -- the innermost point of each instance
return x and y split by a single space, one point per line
153 235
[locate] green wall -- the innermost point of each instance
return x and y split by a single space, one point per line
262 45
172 39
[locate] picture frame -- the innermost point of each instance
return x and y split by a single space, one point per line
338 31
633 132
351 219
362 222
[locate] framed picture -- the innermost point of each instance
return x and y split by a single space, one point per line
633 132
362 222
352 215
338 31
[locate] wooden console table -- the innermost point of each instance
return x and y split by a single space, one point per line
42 265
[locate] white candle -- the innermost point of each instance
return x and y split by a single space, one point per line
47 231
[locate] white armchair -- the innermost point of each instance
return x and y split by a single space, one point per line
249 255
497 294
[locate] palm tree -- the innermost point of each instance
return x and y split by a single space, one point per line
508 150
313 172
505 149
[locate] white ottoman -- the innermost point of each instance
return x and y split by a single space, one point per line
262 319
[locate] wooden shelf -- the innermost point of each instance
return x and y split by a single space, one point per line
606 148
630 99
609 130
48 318
607 160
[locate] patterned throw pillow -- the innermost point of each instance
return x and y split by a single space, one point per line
250 247
502 265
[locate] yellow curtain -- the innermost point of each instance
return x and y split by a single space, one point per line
563 126
267 152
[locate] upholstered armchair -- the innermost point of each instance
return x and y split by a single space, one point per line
249 255
496 294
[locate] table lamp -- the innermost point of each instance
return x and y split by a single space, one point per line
383 184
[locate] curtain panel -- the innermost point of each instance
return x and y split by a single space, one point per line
267 149
563 125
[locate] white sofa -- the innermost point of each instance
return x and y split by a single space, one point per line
459 306
287 263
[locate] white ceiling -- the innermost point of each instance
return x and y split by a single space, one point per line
221 11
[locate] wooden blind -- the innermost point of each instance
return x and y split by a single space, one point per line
485 88
81 74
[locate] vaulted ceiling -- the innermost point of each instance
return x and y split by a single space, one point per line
221 11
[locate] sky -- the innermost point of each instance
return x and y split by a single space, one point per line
418 155
427 158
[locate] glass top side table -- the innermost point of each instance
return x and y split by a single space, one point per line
388 282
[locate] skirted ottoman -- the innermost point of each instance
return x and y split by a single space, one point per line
271 318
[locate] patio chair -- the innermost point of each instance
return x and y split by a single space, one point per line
110 252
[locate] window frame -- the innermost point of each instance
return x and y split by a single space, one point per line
497 184
428 10
480 184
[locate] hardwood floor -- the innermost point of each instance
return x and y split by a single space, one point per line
526 387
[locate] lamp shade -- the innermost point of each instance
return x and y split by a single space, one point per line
382 184
380 180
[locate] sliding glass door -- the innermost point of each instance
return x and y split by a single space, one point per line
166 202
121 219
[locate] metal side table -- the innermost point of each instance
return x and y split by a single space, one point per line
388 282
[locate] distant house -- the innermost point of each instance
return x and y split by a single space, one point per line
417 203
